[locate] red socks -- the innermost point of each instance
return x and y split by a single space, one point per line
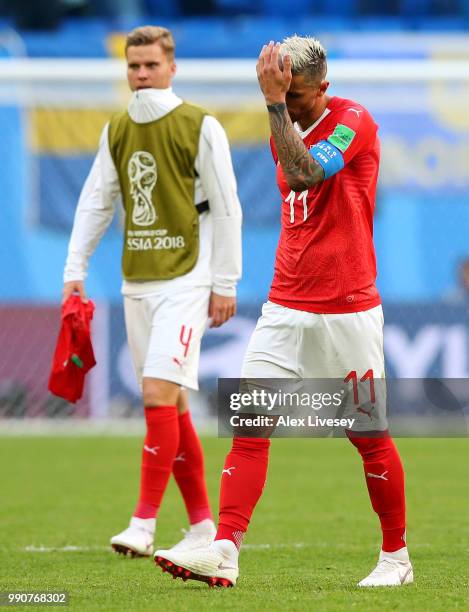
159 451
188 470
242 483
245 472
172 445
385 480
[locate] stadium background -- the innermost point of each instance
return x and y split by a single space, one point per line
50 127
313 535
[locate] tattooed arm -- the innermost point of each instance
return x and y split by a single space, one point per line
300 169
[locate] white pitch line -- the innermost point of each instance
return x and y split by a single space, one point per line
48 549
273 546
73 549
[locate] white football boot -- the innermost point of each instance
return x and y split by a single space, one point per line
199 535
137 539
393 569
217 564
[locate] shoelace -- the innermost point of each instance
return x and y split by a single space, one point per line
384 566
144 530
191 535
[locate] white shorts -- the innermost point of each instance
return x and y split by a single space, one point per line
296 344
291 343
164 332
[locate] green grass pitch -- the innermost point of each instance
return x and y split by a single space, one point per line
312 538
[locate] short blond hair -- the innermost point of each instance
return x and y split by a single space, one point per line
308 56
147 35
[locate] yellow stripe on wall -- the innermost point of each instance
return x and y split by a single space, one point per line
77 131
59 131
245 127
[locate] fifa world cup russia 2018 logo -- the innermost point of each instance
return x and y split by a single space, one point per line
142 175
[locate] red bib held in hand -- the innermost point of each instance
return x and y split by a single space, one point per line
74 355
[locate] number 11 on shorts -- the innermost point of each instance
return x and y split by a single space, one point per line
368 375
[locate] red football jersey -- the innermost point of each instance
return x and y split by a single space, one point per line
325 260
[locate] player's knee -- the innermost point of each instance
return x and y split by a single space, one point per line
159 393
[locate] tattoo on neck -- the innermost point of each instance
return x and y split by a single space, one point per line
279 107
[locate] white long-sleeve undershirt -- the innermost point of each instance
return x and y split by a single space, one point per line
219 261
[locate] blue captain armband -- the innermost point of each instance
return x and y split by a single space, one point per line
328 157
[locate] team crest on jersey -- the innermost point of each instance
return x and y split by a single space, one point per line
342 137
142 174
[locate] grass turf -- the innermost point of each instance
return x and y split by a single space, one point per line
313 535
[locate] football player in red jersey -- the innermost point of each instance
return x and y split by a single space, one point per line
323 318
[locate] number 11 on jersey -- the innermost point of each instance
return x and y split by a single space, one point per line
290 199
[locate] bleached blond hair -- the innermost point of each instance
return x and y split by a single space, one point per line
308 56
